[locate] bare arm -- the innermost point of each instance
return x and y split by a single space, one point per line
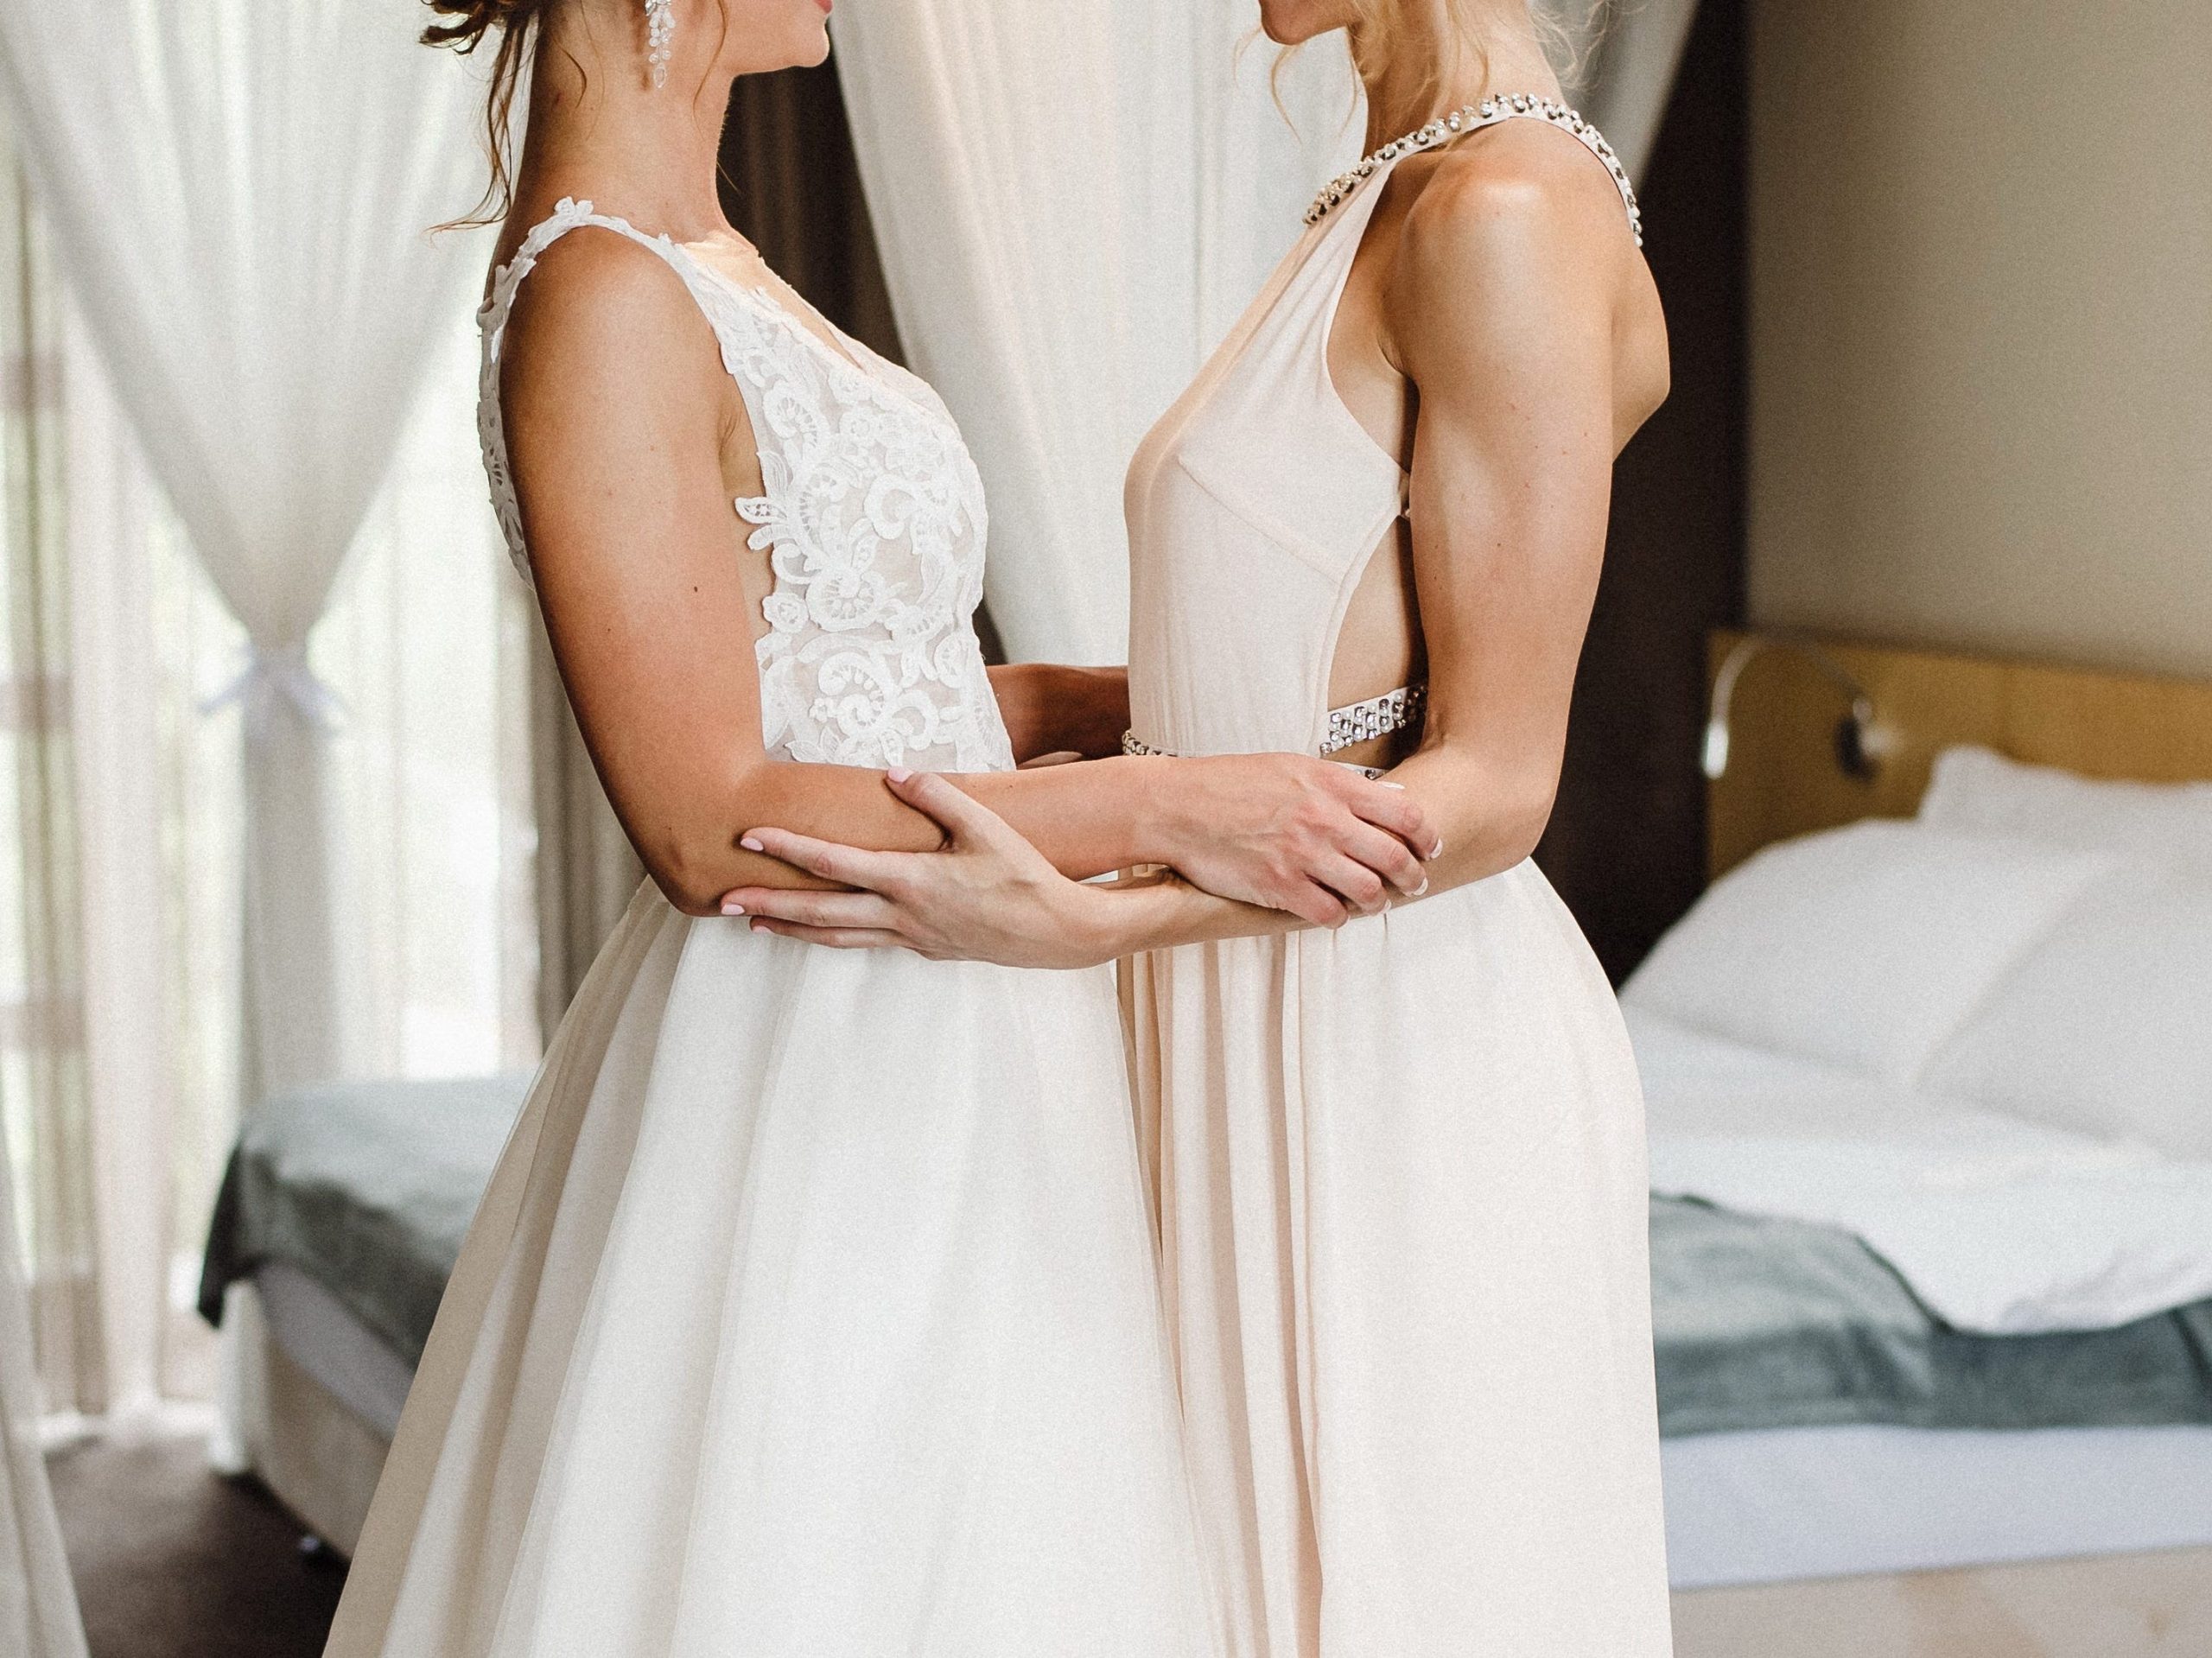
1501 311
1051 710
628 442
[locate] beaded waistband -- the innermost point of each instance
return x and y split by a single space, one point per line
1355 722
1378 716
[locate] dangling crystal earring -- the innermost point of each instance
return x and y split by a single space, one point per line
661 30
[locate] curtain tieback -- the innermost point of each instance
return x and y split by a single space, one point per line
274 673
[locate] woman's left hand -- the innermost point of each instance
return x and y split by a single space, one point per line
988 895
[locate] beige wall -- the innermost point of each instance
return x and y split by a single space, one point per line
1981 338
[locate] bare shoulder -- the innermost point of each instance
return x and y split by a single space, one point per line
1519 198
1516 257
616 410
599 312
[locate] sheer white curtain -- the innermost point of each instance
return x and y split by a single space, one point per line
38 1607
239 192
1073 201
242 193
41 1071
428 773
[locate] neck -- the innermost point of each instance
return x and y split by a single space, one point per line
1438 66
600 128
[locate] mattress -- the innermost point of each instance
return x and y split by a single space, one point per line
1820 1422
1772 1506
350 1362
1784 1504
362 1192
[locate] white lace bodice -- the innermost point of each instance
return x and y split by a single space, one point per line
871 513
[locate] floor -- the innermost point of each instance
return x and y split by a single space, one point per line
174 1562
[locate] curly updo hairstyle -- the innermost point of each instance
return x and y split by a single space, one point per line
471 22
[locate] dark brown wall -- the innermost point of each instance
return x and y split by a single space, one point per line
790 184
1626 846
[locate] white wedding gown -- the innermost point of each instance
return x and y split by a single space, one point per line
812 1310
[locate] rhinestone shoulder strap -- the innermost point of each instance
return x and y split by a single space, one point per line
1472 118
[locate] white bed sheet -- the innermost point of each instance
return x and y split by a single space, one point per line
2002 1226
1784 1505
1780 1505
320 1336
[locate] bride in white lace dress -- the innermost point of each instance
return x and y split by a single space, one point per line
813 1307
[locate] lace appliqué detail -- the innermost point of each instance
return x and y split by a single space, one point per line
871 514
871 517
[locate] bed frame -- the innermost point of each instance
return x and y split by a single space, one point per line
315 1453
1782 780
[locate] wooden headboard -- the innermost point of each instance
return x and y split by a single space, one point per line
1782 779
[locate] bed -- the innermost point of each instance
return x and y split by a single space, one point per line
1926 1460
341 1215
1929 1068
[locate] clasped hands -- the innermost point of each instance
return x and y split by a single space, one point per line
1255 843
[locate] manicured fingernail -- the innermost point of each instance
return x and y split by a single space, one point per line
899 774
1436 851
1423 887
751 844
733 909
1387 784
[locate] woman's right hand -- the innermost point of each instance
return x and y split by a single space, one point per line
1292 833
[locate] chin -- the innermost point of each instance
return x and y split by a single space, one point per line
817 49
1293 22
779 33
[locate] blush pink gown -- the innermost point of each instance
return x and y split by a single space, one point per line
1401 1165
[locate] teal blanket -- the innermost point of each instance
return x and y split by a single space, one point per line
368 1188
1780 1323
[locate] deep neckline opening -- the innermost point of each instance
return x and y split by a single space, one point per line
1343 281
832 339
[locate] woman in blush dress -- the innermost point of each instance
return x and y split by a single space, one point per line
1400 1163
813 1307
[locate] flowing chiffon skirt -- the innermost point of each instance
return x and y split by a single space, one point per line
1406 1251
812 1311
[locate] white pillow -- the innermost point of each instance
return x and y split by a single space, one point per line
1979 791
2105 1027
1866 946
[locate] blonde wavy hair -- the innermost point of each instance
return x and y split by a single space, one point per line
1566 38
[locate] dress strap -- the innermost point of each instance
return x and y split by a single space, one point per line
736 335
1473 119
568 213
